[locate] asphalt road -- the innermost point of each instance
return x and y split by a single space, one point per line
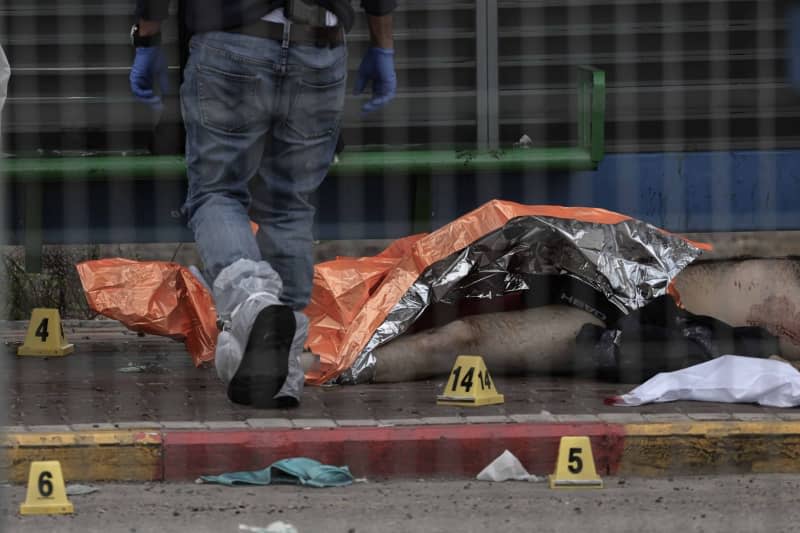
750 504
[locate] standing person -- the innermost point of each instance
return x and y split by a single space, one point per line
262 99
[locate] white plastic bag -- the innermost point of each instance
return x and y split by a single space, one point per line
729 379
506 467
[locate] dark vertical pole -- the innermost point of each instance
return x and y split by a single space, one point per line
33 227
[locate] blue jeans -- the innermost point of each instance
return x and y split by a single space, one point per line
262 120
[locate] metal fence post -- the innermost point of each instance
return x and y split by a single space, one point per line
486 63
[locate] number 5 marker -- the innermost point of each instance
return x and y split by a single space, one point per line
575 465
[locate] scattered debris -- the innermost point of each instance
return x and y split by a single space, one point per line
275 527
507 467
145 368
524 142
81 490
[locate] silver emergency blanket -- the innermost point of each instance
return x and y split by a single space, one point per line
630 263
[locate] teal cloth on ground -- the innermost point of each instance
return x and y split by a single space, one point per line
295 471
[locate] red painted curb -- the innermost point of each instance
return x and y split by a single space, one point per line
403 452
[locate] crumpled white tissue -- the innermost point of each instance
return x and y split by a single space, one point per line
729 379
275 527
507 467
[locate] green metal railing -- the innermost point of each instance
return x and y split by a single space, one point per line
33 173
372 163
588 153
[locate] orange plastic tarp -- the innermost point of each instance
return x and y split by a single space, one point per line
154 297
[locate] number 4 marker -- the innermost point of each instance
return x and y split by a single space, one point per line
45 336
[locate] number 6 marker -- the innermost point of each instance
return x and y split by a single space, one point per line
46 491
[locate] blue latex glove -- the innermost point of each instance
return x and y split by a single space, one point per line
377 67
149 67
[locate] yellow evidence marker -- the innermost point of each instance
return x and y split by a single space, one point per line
470 384
46 491
575 465
45 336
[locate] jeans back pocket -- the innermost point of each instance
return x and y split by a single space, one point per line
228 101
317 105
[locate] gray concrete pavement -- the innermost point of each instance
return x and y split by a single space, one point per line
96 385
703 504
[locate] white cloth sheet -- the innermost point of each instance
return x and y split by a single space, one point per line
728 379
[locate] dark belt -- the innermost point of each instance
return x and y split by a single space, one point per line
319 36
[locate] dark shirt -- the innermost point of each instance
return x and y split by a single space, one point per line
209 15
